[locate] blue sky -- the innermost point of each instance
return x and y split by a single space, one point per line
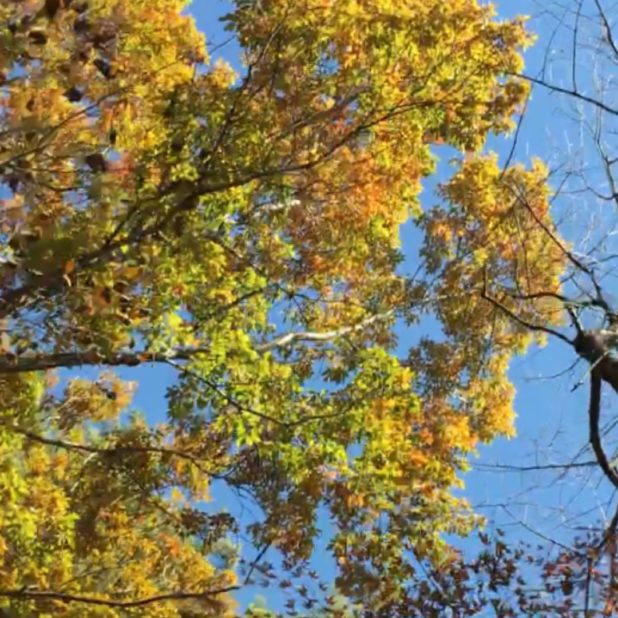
551 423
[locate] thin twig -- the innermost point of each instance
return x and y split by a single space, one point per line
529 325
569 92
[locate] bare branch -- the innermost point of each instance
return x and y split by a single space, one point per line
595 437
533 468
288 339
569 92
529 325
607 28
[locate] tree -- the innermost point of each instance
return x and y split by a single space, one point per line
244 231
571 569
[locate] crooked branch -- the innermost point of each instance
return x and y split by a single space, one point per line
594 413
525 323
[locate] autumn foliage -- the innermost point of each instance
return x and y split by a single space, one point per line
243 230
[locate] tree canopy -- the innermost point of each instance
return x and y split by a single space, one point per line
243 229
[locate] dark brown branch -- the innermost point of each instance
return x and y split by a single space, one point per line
576 262
532 468
45 286
555 295
599 300
579 329
52 595
109 450
255 562
574 48
529 325
610 530
608 30
572 93
594 413
520 123
221 393
242 408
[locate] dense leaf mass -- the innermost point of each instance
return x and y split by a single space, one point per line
242 230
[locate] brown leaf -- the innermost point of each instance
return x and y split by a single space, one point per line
51 8
105 68
38 37
96 162
73 94
81 25
106 295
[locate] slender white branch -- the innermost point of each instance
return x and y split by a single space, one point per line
288 339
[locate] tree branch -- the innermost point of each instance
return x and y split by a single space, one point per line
594 413
529 325
111 450
52 595
608 30
532 468
9 363
288 339
572 93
